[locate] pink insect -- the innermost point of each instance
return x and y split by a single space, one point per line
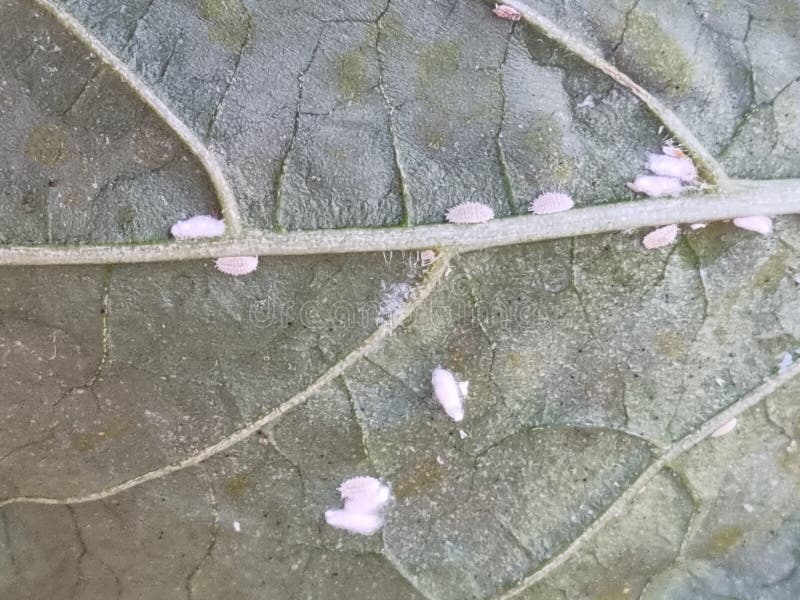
551 202
503 11
762 225
658 238
656 186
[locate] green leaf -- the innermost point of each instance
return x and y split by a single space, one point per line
169 431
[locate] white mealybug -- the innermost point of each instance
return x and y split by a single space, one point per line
201 226
671 166
470 212
506 12
695 226
663 236
364 499
726 428
354 522
449 392
762 225
236 265
656 186
551 202
364 494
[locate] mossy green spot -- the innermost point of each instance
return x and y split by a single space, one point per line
436 65
654 57
433 139
47 144
544 141
229 22
351 75
237 485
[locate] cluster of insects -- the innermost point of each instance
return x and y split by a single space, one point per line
673 172
365 498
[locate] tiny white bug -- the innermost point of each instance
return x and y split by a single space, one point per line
551 202
726 428
364 499
671 166
364 494
201 226
237 265
354 522
506 12
237 527
694 226
656 186
449 392
762 225
470 212
658 238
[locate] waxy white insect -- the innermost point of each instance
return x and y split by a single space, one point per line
671 166
449 392
551 202
354 522
470 212
236 265
364 499
656 186
658 238
200 226
506 12
726 428
694 226
364 494
762 225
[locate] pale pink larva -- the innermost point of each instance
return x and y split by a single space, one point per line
200 226
672 166
236 265
762 225
658 238
470 212
551 202
656 186
354 522
504 11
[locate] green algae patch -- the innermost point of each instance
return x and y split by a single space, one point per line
654 57
351 75
47 145
229 22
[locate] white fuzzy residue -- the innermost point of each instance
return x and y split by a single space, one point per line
393 298
364 501
200 226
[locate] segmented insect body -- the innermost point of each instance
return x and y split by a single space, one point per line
656 186
237 265
506 12
762 225
200 226
354 522
470 212
671 166
658 238
551 202
449 393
